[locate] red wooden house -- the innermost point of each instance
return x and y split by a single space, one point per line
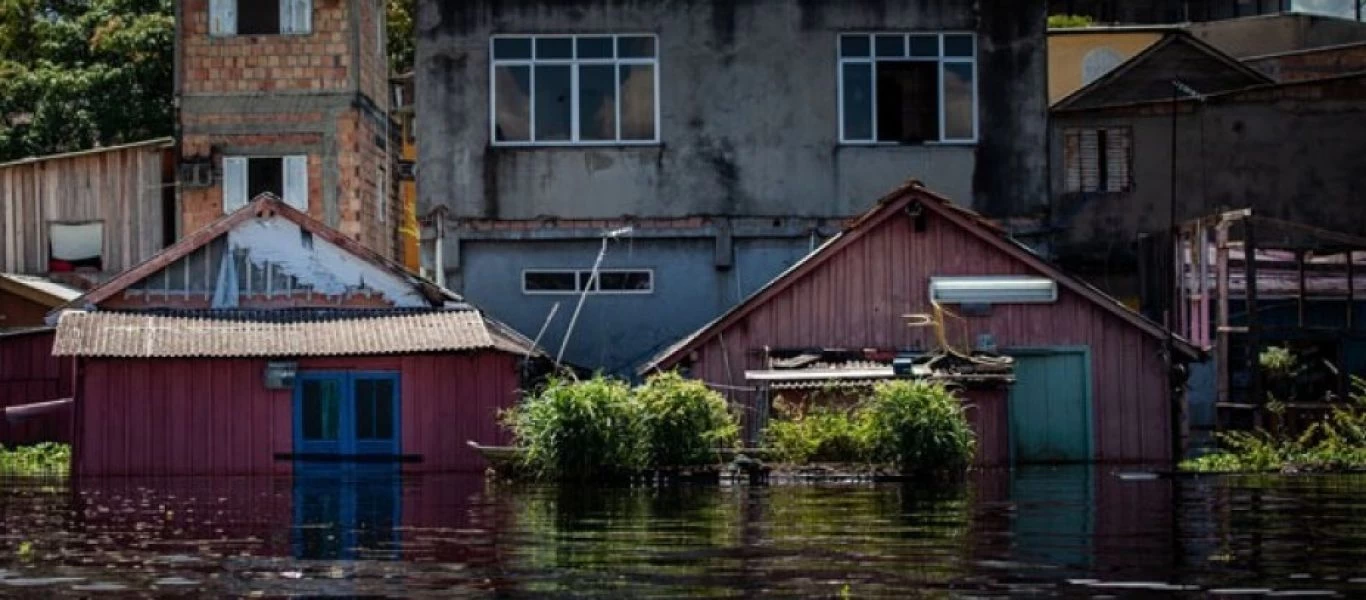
267 338
1091 379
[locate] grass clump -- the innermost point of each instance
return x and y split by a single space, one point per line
45 459
1069 21
817 434
685 422
918 426
580 430
603 429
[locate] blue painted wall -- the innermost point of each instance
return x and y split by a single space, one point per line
615 333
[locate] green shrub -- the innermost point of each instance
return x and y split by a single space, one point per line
47 458
1335 443
685 422
820 434
917 425
1069 21
579 430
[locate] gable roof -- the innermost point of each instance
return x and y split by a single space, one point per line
1171 38
890 205
265 205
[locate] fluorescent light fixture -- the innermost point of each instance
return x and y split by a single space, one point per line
991 289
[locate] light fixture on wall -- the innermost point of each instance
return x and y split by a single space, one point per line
279 374
993 289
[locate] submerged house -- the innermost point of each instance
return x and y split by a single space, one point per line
266 338
1091 377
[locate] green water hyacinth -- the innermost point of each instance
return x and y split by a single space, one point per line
45 459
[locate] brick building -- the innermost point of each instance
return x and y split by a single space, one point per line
288 97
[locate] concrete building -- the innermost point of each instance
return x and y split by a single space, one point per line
1288 150
288 97
732 137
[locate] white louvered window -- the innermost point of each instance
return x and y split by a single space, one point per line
1098 160
245 178
260 17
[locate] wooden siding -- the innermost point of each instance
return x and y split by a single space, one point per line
857 298
153 417
29 373
18 311
120 187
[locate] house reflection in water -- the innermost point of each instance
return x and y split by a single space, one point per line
346 511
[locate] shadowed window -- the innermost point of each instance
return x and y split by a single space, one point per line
908 88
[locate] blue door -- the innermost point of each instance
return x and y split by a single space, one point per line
346 414
1050 406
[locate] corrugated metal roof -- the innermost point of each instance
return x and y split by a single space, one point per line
283 334
162 142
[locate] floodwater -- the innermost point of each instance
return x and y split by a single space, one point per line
1075 532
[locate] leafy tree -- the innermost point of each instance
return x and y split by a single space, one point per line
76 73
401 41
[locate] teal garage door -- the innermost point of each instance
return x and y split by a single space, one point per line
1050 406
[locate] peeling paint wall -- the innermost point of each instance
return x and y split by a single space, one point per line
749 111
317 262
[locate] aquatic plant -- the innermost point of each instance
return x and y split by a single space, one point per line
1337 442
685 422
817 434
47 458
918 425
579 429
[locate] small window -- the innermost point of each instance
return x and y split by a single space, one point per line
908 88
245 178
75 247
260 17
588 89
1098 160
381 197
575 281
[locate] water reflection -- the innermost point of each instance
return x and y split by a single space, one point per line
367 531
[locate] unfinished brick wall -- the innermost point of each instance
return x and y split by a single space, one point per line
285 94
320 60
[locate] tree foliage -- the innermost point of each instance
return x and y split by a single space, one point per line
76 73
401 41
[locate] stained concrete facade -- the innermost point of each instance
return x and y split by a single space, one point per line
1290 151
748 111
747 174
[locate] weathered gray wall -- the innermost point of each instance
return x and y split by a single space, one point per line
1290 152
1256 36
749 117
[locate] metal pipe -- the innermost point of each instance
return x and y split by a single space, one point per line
583 295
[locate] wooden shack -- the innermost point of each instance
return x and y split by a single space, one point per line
95 211
267 339
1091 377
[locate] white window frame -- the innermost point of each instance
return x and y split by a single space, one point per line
229 204
574 63
872 59
298 24
578 277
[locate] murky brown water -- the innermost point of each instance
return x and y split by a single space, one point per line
1065 531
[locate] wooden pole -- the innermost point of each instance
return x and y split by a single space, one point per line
1254 327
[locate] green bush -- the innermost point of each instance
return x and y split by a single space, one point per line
685 422
917 425
820 434
1069 21
1335 443
580 430
47 458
